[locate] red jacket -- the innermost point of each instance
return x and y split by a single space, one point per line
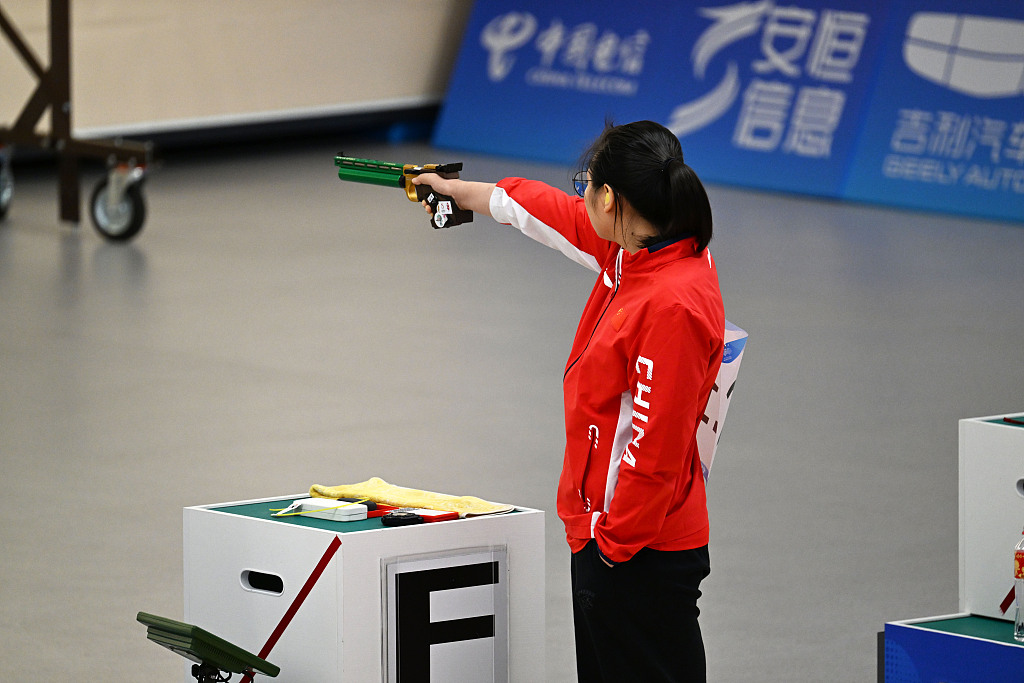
642 366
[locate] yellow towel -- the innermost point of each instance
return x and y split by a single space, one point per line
379 491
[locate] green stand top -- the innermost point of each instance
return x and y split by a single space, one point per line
203 647
261 510
1008 421
996 630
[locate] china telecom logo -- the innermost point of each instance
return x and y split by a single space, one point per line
581 57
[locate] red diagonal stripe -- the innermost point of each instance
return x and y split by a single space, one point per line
297 602
1007 601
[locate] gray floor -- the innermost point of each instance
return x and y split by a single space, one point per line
273 327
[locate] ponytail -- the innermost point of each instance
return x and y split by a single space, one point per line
689 207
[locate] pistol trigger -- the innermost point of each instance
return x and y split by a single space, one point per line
424 193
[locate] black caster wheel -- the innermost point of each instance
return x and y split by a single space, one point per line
6 185
118 220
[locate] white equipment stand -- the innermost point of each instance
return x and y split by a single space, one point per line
460 600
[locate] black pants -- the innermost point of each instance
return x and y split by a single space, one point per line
637 621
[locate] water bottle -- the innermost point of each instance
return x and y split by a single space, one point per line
1018 587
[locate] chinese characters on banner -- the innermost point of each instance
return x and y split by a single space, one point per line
870 100
947 148
571 58
808 117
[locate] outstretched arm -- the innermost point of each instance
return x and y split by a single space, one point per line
470 195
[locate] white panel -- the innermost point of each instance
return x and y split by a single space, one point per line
991 513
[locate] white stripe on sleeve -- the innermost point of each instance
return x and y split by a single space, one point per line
506 210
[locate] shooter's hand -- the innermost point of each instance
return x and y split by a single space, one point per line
474 196
445 186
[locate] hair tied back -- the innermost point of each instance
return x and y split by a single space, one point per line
667 163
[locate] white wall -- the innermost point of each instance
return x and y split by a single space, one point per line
153 65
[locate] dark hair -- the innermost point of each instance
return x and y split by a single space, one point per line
643 163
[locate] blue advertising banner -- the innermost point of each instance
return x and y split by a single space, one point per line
759 93
945 130
817 97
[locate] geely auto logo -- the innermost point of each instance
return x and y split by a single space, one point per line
978 56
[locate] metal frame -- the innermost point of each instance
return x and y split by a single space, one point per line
53 92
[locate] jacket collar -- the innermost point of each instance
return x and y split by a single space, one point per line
669 242
660 253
